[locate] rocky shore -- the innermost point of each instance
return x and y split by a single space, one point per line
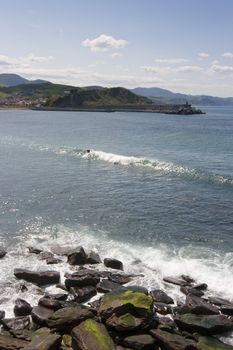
101 309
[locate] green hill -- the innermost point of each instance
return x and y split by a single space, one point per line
8 79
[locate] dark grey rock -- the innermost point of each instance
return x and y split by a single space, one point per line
17 323
119 278
201 286
2 253
44 342
105 286
83 281
10 343
93 258
113 263
219 301
172 341
77 257
162 308
34 250
160 296
50 303
40 278
45 255
53 260
83 294
41 314
176 281
22 308
199 306
2 314
139 342
190 290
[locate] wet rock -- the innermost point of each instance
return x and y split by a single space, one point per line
40 278
58 296
113 263
210 343
82 281
33 250
166 324
160 296
171 341
137 289
17 323
2 314
66 342
2 253
53 260
22 308
50 303
41 314
198 306
91 335
219 301
139 342
77 257
201 286
162 308
9 343
181 310
21 287
83 294
66 319
45 255
93 258
227 310
187 278
176 281
119 278
61 250
106 286
45 342
126 322
204 324
193 291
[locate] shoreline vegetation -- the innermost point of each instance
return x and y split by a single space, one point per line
98 307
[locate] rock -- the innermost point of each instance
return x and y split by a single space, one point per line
21 287
93 258
77 257
45 342
66 342
45 255
2 253
9 343
106 286
83 294
124 302
66 319
204 324
58 296
113 263
127 322
219 301
160 296
209 343
34 250
172 341
2 314
176 281
137 289
17 323
50 303
119 278
227 310
181 310
139 342
201 286
91 335
187 278
166 324
40 278
53 260
41 314
198 306
61 250
190 290
22 308
83 281
163 309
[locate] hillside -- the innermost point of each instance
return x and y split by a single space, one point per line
8 79
159 95
106 97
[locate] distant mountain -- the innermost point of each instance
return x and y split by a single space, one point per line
100 97
8 79
159 95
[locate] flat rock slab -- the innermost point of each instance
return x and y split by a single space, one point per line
193 291
16 323
81 281
83 294
172 341
199 306
45 342
106 286
8 343
126 322
209 343
139 342
40 278
41 314
204 324
176 281
91 335
159 296
66 319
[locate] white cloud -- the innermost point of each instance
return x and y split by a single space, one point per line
104 43
217 68
227 55
171 60
38 59
168 69
7 61
187 69
203 55
116 55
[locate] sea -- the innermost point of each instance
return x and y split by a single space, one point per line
154 191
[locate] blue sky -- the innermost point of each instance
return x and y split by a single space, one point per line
182 45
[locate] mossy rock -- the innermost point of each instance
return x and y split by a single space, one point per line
9 343
91 335
126 322
44 342
209 343
124 302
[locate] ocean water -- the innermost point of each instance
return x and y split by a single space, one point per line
155 191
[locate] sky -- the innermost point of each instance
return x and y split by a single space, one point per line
181 45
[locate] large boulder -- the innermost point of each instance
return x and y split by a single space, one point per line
113 264
50 303
91 335
83 294
40 278
93 258
22 307
41 314
77 257
172 341
126 322
106 286
81 281
204 324
45 342
69 317
176 281
210 343
16 323
159 296
139 342
9 343
199 306
193 291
